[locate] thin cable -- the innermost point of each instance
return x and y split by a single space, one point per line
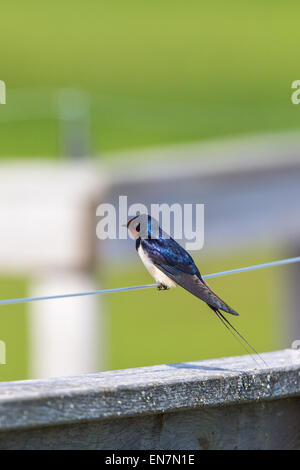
77 294
255 266
147 286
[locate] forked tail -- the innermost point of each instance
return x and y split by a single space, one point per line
245 344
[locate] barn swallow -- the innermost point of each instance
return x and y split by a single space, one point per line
171 265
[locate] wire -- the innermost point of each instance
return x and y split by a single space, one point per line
254 267
76 294
147 286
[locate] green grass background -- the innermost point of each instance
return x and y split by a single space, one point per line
157 72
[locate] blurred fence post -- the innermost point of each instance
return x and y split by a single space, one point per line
48 233
64 334
67 336
74 119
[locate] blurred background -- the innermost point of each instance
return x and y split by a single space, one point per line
112 97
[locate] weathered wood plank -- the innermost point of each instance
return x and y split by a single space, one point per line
148 391
262 425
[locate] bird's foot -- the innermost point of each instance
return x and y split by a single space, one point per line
162 287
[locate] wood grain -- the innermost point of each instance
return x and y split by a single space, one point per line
221 404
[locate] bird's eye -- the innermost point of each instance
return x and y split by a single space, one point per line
138 227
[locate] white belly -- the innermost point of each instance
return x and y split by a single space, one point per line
158 275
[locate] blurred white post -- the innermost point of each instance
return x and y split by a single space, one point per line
48 232
65 333
74 120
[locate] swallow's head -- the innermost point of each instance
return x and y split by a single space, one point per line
143 226
134 225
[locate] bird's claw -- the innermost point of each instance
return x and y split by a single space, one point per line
162 287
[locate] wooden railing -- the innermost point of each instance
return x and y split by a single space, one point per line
228 403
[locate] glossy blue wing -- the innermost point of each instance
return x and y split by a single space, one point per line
175 262
168 254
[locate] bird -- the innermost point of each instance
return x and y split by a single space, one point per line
171 265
